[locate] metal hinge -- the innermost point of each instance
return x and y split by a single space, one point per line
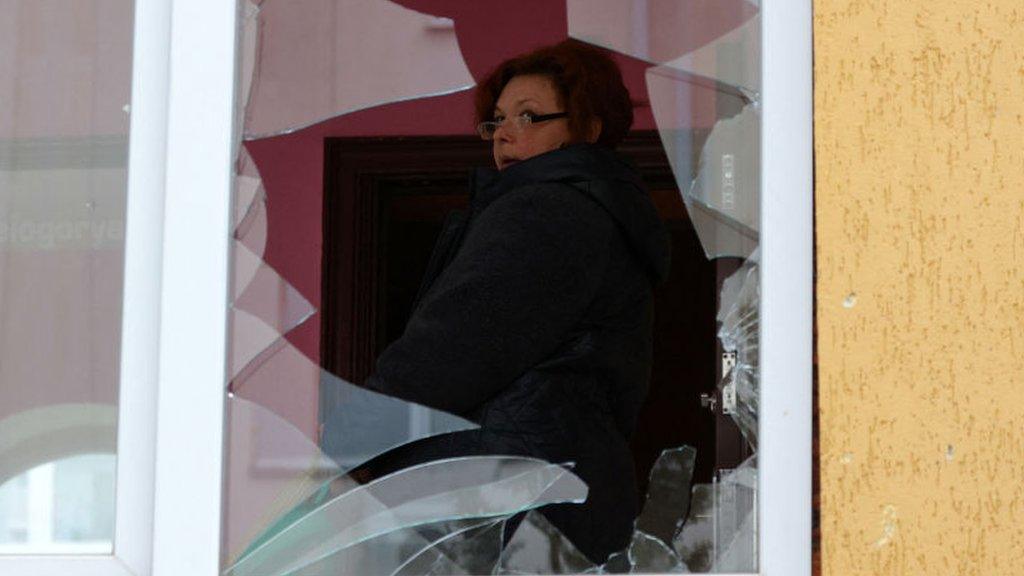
729 389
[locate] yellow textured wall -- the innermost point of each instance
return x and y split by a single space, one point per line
919 144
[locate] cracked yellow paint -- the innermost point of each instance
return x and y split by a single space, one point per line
919 144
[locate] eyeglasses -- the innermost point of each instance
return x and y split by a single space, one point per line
516 123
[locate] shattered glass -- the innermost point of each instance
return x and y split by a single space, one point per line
364 423
473 550
717 39
666 506
739 319
440 491
296 499
299 68
706 75
538 547
720 533
722 192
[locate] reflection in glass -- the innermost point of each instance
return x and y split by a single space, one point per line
61 507
65 83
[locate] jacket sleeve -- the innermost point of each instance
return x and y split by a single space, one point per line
526 273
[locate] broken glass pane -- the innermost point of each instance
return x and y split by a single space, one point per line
475 550
272 467
266 308
739 330
460 488
538 547
724 198
657 31
668 496
648 555
363 424
306 60
722 193
720 534
732 58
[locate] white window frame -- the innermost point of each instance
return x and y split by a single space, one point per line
171 398
171 414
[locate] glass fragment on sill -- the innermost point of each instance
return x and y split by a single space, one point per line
291 81
722 189
720 533
739 319
494 487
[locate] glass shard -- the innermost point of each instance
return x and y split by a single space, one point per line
731 58
264 311
282 379
617 563
720 534
362 424
663 32
649 555
299 56
388 553
739 331
538 547
248 189
668 494
722 191
271 467
460 488
724 198
475 550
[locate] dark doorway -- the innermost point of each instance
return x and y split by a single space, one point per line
384 202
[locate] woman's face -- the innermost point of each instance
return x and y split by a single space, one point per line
537 95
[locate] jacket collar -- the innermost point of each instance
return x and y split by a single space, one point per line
573 163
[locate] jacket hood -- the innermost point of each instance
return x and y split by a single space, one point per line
604 177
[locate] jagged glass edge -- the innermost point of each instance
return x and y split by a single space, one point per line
321 508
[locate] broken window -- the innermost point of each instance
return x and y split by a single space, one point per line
304 489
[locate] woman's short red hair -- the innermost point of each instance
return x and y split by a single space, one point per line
588 81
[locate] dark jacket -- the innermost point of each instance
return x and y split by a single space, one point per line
534 321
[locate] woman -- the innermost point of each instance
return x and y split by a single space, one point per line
534 319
